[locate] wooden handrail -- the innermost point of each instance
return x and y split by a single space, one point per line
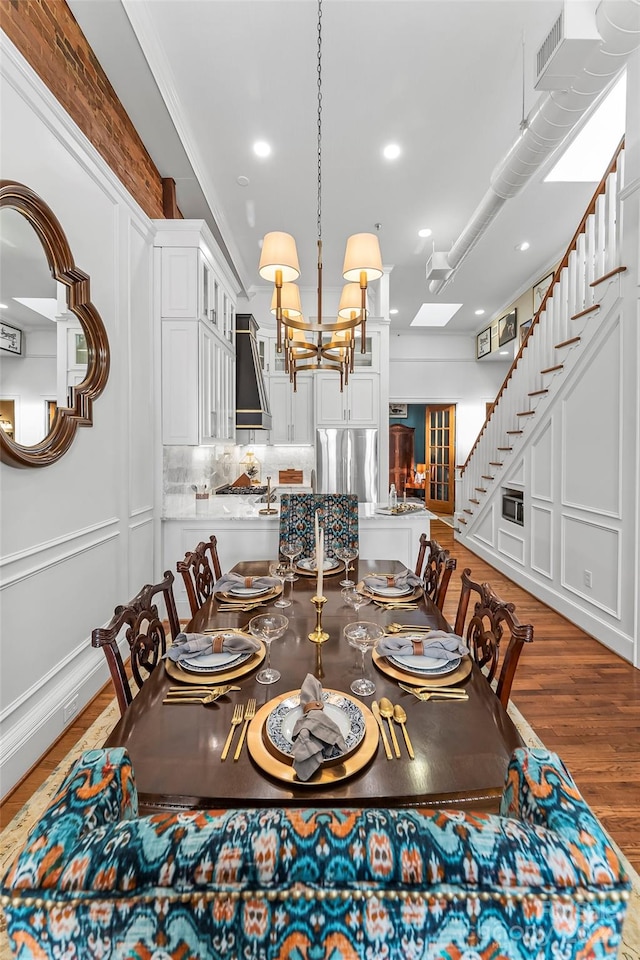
556 277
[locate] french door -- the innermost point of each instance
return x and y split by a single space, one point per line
440 439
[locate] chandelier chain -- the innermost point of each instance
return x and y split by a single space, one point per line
319 224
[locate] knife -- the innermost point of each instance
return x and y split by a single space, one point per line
376 712
433 688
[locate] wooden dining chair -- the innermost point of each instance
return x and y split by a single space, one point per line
337 513
142 623
200 570
484 633
434 566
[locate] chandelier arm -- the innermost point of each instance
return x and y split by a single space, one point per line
334 327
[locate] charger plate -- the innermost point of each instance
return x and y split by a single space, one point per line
444 680
327 572
229 598
213 679
344 710
385 598
325 775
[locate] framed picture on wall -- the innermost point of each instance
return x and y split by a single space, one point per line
483 343
507 327
10 339
524 329
540 290
398 410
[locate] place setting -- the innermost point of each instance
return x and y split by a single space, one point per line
233 592
312 736
425 660
208 660
392 590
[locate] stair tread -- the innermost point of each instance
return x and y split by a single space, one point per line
481 489
513 432
558 366
470 512
471 500
566 343
526 413
505 448
462 520
536 393
583 313
495 463
486 477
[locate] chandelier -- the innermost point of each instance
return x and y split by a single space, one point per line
323 345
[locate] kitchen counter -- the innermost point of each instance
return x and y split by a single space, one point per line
244 534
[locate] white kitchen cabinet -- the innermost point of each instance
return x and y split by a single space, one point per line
197 303
292 413
357 405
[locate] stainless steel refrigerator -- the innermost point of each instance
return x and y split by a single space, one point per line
347 462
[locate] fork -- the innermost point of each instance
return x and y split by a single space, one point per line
238 712
429 688
249 714
429 695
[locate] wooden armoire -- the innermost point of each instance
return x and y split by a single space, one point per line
400 456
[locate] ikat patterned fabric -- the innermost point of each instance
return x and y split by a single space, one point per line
337 513
94 880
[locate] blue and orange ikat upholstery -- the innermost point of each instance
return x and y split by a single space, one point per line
337 513
94 880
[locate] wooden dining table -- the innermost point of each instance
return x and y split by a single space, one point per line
462 747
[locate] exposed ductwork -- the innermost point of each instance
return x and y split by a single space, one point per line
550 122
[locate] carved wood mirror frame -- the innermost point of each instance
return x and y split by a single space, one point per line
79 413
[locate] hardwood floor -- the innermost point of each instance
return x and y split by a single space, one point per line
582 700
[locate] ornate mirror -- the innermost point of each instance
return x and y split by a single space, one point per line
54 352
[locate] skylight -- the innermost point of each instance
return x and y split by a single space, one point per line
587 156
435 314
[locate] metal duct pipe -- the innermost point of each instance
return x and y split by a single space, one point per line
550 121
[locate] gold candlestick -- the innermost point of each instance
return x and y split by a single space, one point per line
318 635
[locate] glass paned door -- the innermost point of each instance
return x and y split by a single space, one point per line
440 423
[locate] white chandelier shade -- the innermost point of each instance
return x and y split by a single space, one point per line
279 258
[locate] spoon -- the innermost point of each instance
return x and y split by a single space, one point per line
400 716
386 711
402 627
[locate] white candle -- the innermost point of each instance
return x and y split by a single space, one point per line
317 533
321 563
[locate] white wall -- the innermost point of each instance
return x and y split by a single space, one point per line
30 380
441 368
79 536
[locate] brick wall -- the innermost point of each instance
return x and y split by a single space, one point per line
47 35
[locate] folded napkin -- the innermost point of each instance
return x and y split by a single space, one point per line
437 644
229 580
315 734
203 644
406 579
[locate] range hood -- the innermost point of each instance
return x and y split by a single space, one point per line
252 405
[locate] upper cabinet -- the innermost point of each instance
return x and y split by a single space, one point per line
196 307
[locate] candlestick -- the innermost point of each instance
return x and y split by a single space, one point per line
318 635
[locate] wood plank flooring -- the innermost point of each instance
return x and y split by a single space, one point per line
582 700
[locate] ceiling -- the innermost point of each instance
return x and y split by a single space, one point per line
204 79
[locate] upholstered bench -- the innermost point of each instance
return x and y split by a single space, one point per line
95 880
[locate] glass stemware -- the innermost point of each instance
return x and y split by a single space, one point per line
347 554
279 570
291 549
363 635
268 627
353 598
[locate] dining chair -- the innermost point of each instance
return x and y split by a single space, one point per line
434 568
337 513
142 623
200 570
490 619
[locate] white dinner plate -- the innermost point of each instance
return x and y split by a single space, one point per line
248 591
426 666
309 563
344 712
389 591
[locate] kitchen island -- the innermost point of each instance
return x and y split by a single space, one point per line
244 534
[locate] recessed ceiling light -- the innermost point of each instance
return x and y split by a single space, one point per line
3 306
425 232
522 246
243 181
435 314
261 148
479 312
394 311
392 151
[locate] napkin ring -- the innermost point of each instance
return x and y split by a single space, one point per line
248 582
313 705
391 580
418 648
217 643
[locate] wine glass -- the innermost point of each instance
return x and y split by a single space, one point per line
268 627
291 549
279 570
363 635
354 599
347 554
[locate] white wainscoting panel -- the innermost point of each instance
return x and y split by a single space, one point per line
592 548
511 545
485 529
141 556
516 475
542 464
542 540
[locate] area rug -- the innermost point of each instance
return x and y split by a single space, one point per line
15 833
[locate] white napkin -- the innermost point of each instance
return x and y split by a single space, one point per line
229 580
203 644
406 579
315 734
437 644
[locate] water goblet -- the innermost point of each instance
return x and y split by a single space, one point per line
363 635
354 599
279 570
291 549
347 554
268 627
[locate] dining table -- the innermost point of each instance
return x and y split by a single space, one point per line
461 746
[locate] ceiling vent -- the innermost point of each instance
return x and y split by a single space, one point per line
566 47
438 267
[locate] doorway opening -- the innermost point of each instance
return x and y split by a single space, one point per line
422 453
